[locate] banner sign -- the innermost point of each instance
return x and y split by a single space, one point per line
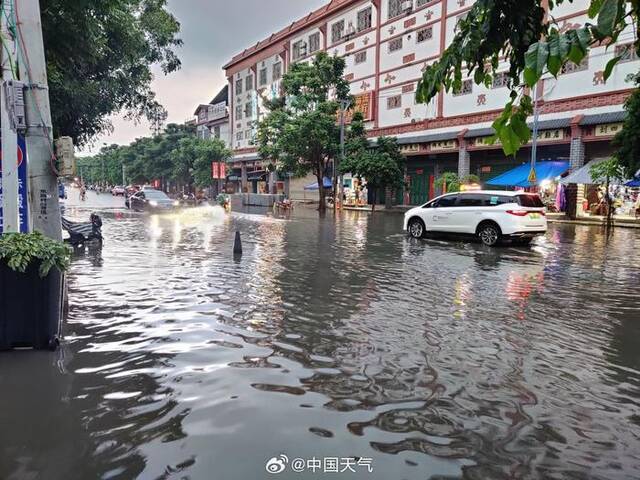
218 170
23 205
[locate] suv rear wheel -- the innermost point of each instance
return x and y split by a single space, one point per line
489 233
416 228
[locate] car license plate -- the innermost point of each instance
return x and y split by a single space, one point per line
534 215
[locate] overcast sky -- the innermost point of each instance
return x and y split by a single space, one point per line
213 31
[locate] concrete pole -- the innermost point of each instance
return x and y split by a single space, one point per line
10 211
43 183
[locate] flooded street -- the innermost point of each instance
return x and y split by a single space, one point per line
331 338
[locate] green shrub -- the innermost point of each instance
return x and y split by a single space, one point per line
20 250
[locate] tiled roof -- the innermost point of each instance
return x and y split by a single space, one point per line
314 16
222 96
600 118
542 125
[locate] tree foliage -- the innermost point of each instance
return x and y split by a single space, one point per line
176 155
99 57
301 133
533 46
381 166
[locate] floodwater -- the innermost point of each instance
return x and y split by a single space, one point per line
330 338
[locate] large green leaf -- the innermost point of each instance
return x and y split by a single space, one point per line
521 128
608 16
609 68
554 62
535 61
594 8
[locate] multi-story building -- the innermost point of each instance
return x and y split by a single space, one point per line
387 44
212 119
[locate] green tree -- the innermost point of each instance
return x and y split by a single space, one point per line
193 157
144 160
382 166
518 30
604 172
99 57
451 180
301 134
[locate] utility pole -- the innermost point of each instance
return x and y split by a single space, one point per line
10 210
534 140
124 182
337 183
43 181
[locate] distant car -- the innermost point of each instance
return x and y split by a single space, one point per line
491 216
151 200
118 191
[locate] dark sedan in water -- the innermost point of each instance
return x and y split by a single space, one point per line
151 200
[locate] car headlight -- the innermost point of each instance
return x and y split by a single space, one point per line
153 203
176 203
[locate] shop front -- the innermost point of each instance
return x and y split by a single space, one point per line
425 163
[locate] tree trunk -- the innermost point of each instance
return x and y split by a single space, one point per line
374 196
388 197
322 206
609 212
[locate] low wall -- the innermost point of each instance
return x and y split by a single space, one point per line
254 199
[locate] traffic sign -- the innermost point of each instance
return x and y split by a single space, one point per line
533 178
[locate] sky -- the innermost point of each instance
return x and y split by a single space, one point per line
213 31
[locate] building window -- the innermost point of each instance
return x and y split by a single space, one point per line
395 45
337 31
424 34
248 83
571 67
626 52
277 71
248 110
500 80
396 7
238 112
239 136
263 76
238 87
299 50
394 102
361 57
364 19
420 3
314 42
465 89
216 132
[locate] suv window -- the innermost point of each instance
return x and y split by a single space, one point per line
471 200
532 201
495 200
448 201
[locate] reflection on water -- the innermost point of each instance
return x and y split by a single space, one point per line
437 359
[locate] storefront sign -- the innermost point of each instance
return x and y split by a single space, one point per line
551 135
608 130
218 170
23 205
362 104
543 136
410 148
443 145
217 110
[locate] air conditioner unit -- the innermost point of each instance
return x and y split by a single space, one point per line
406 6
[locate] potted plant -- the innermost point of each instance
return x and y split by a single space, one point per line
32 267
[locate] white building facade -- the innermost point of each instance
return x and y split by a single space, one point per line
212 119
386 45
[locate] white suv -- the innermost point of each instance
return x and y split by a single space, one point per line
489 215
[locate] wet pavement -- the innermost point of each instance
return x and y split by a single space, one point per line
331 339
